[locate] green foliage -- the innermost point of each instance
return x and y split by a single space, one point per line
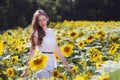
14 13
50 6
115 75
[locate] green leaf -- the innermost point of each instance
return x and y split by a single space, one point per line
115 75
81 69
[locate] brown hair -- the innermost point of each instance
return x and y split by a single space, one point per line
38 28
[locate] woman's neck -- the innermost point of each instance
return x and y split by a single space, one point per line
45 28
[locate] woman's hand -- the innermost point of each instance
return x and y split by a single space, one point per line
26 70
24 74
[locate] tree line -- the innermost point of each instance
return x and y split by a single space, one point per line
15 13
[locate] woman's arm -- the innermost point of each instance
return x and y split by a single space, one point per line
32 50
26 70
31 53
62 58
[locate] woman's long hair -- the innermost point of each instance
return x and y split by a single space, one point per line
38 28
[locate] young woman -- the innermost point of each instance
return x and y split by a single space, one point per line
43 39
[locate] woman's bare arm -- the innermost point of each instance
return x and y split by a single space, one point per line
32 51
62 58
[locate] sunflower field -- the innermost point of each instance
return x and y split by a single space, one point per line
92 49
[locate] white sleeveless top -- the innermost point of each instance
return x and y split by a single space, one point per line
49 41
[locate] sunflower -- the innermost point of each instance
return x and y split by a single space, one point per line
101 34
64 34
1 47
38 63
89 74
15 41
55 73
58 31
79 78
63 77
92 51
116 39
81 34
95 55
116 57
10 72
113 49
90 38
73 34
80 44
14 59
74 69
96 58
23 48
105 77
67 50
98 64
1 78
59 39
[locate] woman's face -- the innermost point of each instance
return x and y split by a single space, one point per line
42 20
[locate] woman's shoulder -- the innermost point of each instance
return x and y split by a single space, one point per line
50 29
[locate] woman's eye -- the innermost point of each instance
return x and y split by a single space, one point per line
42 20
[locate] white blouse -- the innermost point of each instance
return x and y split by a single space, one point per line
49 41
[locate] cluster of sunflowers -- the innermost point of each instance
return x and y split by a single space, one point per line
87 46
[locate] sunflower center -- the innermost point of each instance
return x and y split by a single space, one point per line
105 79
91 37
58 38
66 49
13 60
95 55
55 74
81 34
5 43
73 34
115 39
10 72
37 61
74 71
100 33
14 42
16 49
61 76
81 44
103 35
113 48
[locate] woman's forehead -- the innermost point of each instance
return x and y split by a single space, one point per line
42 17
